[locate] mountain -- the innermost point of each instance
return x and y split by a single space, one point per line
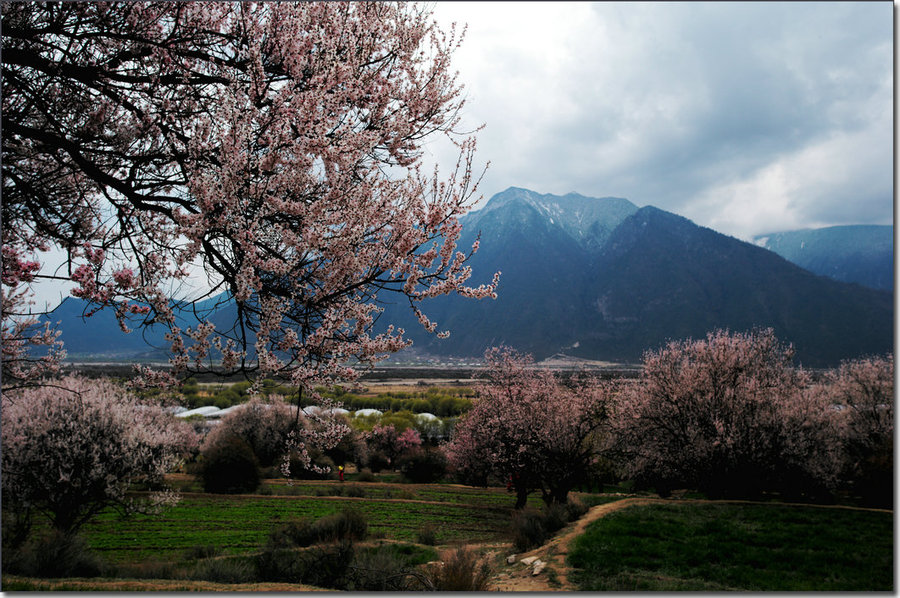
600 278
863 254
98 335
603 279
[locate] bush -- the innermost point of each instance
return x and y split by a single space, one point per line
202 552
424 466
532 528
322 565
224 570
575 509
528 529
462 571
263 424
229 466
366 475
348 525
54 554
380 569
427 536
345 526
378 461
280 565
354 491
300 472
326 566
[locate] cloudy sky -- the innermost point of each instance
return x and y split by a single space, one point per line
747 118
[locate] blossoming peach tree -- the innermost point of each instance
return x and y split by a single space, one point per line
729 415
275 147
530 429
73 449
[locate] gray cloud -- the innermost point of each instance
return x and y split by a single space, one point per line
747 117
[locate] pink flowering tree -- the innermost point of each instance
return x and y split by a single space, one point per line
30 352
729 415
75 449
530 429
274 147
385 442
276 433
863 390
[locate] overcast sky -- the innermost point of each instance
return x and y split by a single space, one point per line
747 118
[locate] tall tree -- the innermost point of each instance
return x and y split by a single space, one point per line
729 415
530 429
275 146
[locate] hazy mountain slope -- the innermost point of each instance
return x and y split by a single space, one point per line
863 254
650 276
662 277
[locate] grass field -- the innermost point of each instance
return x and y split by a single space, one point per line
240 524
726 547
694 546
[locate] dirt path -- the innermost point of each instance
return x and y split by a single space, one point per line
518 577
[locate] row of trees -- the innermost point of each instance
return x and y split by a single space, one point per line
728 415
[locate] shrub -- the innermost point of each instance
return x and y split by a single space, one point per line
461 571
280 565
531 528
354 491
299 471
263 425
378 461
427 536
54 554
291 534
229 467
224 570
380 569
344 526
528 529
575 509
202 552
423 466
366 475
326 566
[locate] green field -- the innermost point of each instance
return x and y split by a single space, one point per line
240 524
682 545
726 547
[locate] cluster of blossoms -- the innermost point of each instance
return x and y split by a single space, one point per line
530 429
75 448
275 146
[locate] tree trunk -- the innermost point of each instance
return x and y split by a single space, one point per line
521 497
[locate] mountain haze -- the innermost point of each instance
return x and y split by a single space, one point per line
863 254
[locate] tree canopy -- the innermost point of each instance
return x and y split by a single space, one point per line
275 147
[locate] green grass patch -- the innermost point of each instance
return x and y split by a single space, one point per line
240 524
725 547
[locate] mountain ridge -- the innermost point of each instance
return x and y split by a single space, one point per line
602 279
